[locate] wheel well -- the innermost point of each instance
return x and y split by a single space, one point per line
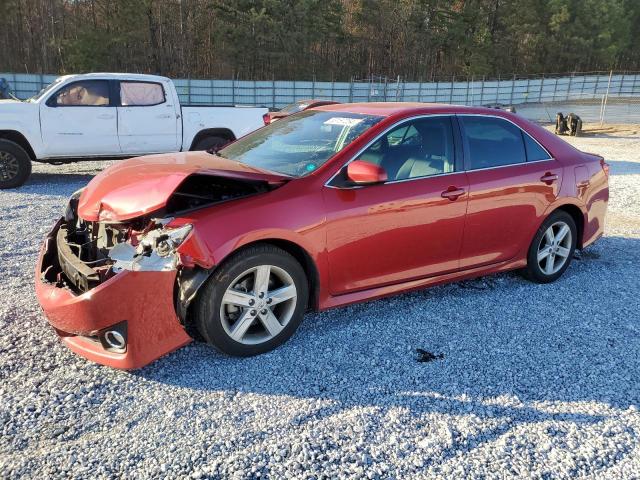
308 265
578 217
17 137
212 132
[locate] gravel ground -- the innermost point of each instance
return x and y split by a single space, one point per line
535 381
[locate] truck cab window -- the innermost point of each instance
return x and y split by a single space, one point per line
89 93
139 94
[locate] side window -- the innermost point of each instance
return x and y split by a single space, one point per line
141 94
418 148
492 142
534 150
87 93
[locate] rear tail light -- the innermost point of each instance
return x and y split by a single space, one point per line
605 166
266 118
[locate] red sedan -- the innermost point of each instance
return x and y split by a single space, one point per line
331 206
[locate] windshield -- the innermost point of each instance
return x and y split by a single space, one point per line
299 144
49 87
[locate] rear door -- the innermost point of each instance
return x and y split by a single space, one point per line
512 181
147 118
80 120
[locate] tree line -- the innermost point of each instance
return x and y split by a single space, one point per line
323 39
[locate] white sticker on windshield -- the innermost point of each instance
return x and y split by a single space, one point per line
344 121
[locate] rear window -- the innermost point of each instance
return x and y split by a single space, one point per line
492 142
299 144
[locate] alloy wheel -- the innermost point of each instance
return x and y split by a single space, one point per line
9 166
258 304
554 248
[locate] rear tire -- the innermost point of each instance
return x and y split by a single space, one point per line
253 302
552 248
211 144
15 164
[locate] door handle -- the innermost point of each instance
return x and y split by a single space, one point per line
164 116
549 178
452 193
105 116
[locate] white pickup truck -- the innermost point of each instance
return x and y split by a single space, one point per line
110 115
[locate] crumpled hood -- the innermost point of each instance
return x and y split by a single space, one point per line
141 185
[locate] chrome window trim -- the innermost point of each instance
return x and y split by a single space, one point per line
384 132
519 128
400 122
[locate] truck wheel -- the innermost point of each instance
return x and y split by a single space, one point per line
15 164
211 143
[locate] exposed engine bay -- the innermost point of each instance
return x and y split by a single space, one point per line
86 253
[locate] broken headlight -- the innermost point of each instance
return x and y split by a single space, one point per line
164 241
155 251
72 206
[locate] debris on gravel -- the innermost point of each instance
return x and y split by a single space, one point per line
538 381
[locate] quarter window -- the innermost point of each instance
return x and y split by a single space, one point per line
418 148
534 150
141 94
87 93
492 142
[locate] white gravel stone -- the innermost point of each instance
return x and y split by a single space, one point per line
537 381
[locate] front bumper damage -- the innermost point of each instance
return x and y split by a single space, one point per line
85 305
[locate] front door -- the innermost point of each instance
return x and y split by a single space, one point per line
407 228
79 120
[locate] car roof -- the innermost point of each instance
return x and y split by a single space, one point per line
387 109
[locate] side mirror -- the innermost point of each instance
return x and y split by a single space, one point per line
365 173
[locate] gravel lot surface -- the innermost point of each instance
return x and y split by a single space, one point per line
538 381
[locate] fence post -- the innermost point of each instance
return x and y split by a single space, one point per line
351 91
273 92
555 89
513 87
420 89
453 79
386 81
233 89
189 90
606 98
313 87
437 87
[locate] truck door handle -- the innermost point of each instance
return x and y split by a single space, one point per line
452 193
164 116
549 178
105 116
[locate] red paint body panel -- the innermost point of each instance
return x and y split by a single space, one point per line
142 185
393 232
143 299
365 242
505 206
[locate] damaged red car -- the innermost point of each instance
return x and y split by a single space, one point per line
331 206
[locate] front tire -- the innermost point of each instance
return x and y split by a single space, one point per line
15 164
253 303
552 248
